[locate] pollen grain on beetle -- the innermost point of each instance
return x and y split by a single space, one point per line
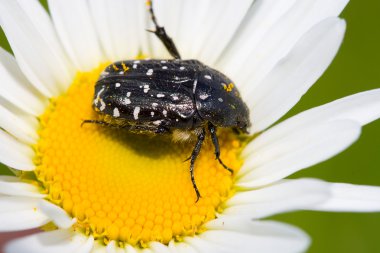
122 186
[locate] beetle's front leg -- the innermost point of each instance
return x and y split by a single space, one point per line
162 35
215 141
193 157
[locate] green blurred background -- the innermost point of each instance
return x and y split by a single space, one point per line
356 68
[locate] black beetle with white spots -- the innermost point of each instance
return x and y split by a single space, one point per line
170 96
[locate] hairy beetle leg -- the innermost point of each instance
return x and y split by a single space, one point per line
193 157
157 130
98 122
162 35
215 141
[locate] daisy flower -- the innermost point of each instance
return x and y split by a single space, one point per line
95 189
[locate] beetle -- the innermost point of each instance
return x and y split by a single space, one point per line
180 97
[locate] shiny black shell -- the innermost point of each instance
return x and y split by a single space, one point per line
170 94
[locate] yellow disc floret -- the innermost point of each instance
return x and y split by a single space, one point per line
122 186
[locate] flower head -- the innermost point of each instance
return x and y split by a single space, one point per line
93 188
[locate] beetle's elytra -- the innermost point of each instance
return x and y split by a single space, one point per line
182 97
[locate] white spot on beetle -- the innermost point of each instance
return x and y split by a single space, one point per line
117 85
182 68
195 85
97 99
164 67
146 88
152 114
102 105
157 122
104 73
208 77
140 86
121 72
160 95
176 78
154 104
136 112
116 112
177 120
127 101
203 96
220 99
175 97
136 61
128 94
100 92
134 66
165 112
163 61
149 72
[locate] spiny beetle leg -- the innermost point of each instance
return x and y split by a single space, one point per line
215 141
193 157
162 35
98 122
158 130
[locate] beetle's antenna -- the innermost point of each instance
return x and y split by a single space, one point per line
161 33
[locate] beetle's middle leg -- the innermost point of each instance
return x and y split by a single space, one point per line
162 35
193 157
215 141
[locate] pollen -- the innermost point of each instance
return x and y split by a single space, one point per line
125 68
228 87
130 188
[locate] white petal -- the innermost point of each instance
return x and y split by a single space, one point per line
10 185
279 40
15 154
130 249
192 26
20 213
118 25
251 236
298 150
56 214
197 26
75 28
35 45
259 19
351 198
18 126
362 107
86 247
159 247
111 247
282 197
57 241
181 247
295 74
221 27
16 89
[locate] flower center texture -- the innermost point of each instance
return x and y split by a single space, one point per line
132 188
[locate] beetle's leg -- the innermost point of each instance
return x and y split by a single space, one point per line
215 141
98 122
193 157
157 130
162 35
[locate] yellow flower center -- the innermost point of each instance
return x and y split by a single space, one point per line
131 188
